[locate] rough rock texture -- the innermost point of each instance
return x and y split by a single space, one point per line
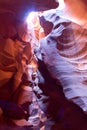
13 46
64 54
66 59
56 56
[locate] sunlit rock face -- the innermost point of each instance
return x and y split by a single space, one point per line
64 52
13 27
16 52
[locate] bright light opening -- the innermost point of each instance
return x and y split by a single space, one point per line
33 19
30 17
61 4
